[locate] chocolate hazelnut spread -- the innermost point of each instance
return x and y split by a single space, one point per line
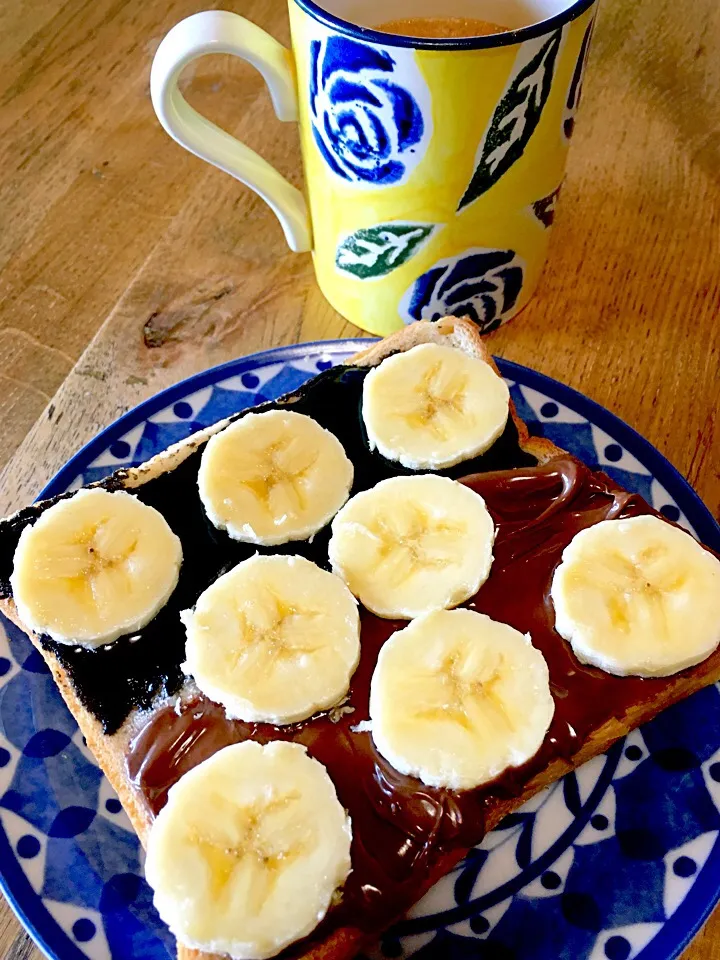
407 835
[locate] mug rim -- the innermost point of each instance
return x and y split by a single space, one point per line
506 39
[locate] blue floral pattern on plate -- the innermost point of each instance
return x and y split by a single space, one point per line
479 283
369 128
620 860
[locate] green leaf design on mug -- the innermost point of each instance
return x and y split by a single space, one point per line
515 119
376 251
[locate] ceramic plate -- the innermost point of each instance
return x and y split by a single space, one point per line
619 860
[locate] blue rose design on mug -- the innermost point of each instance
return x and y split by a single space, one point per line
368 126
482 284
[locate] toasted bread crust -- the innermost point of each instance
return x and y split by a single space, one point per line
343 943
463 335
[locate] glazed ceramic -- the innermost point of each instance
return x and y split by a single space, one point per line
432 167
620 860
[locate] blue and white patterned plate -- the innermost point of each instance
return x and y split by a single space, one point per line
617 861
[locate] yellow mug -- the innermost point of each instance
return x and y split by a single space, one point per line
432 166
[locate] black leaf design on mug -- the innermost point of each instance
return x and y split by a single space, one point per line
515 118
575 90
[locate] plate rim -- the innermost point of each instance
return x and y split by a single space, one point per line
47 934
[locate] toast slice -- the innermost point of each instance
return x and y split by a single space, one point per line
123 737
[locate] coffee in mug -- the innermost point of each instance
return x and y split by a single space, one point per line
440 27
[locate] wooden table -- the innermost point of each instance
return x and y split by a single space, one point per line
126 264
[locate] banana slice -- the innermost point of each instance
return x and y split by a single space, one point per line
638 597
433 406
456 698
413 544
273 477
249 850
94 567
274 640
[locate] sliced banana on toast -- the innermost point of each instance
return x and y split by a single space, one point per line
249 850
638 597
94 567
456 698
433 406
273 477
413 544
274 640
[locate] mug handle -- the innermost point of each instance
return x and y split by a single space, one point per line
218 31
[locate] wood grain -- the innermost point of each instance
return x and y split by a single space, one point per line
126 264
